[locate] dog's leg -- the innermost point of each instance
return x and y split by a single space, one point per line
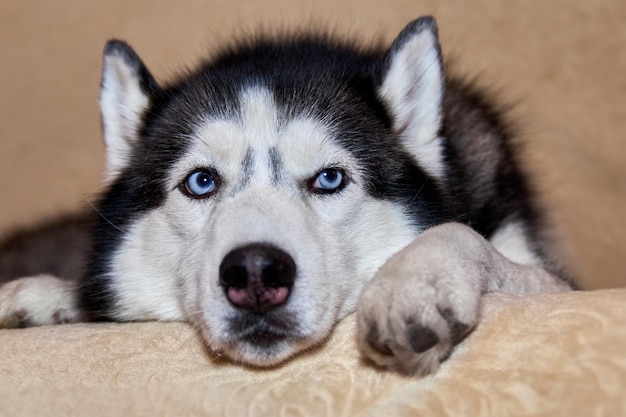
38 300
426 298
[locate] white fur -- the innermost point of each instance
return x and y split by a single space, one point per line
413 89
122 102
38 300
511 240
259 117
144 272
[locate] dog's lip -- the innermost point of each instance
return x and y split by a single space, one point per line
262 330
263 337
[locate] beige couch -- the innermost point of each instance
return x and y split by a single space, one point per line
551 355
563 61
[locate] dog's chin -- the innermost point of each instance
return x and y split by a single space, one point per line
266 355
259 342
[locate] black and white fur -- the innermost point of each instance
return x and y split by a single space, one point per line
322 160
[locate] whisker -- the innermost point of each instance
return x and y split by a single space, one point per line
419 191
104 217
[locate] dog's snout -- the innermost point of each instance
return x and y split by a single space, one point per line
257 277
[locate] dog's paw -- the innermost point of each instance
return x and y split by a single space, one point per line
423 301
36 301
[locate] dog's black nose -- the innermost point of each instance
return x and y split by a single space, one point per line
257 277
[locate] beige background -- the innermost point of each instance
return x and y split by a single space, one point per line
563 62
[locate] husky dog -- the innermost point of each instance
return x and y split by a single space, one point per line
283 184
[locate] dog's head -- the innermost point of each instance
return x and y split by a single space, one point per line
257 195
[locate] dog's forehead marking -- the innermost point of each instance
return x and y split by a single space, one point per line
259 117
275 163
260 144
247 169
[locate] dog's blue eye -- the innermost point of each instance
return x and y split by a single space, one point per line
329 180
200 183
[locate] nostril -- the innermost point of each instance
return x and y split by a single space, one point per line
258 276
234 276
279 272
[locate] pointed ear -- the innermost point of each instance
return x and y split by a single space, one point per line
125 94
412 87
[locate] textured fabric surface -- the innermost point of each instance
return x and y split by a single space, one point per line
549 355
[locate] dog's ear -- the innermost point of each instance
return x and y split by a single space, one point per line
412 88
126 90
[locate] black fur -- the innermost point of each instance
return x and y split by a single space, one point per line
59 247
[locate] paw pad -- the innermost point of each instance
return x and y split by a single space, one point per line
421 338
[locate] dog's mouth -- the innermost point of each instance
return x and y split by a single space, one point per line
263 336
262 339
262 329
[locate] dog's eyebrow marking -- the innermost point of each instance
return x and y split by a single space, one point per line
247 168
276 164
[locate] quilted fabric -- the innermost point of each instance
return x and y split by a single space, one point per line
549 355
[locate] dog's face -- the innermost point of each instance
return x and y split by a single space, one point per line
254 198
